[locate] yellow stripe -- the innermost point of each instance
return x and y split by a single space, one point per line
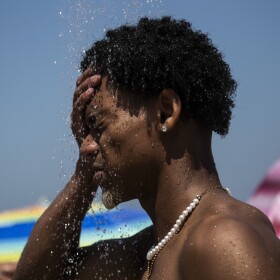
32 213
10 257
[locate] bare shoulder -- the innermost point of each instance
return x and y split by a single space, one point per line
236 243
113 259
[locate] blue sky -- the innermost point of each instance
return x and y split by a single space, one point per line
41 44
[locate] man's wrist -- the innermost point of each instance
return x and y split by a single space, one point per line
83 179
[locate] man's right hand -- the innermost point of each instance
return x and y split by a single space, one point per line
84 92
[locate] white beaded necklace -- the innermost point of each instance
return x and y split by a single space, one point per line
154 251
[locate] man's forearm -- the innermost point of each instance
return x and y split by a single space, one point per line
55 237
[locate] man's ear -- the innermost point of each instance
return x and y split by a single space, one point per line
170 107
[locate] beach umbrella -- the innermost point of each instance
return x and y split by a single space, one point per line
99 224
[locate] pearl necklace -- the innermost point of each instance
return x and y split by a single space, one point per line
154 251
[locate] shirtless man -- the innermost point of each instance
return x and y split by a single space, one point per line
143 115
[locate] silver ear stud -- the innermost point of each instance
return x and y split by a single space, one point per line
164 128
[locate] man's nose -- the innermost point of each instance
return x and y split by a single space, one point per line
89 146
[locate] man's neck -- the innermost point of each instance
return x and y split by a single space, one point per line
178 186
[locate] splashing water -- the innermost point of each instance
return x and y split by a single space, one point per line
82 23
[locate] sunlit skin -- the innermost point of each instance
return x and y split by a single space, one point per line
124 150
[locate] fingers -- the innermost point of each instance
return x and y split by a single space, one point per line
85 83
87 73
78 125
82 96
83 99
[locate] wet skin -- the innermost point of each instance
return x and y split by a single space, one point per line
122 144
123 149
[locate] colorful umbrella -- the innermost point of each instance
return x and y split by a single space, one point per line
99 224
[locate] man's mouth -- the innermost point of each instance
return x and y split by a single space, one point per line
99 173
98 167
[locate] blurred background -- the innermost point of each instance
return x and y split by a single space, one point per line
41 46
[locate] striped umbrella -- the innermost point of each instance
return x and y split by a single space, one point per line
99 224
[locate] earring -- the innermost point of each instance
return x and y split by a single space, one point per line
164 128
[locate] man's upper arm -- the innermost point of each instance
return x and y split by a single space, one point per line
231 249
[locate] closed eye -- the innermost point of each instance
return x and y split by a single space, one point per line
90 121
96 132
96 128
95 122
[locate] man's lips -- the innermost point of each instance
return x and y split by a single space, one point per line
98 167
99 173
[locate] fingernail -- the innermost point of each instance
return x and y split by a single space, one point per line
89 91
95 78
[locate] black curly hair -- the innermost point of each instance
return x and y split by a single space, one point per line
167 53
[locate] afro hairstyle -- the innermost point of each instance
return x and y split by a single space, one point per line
156 54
